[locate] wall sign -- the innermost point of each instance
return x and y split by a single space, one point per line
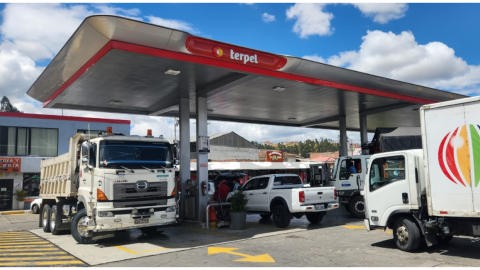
8 164
204 146
274 156
234 54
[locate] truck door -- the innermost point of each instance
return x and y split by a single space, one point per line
88 160
248 188
388 189
260 194
349 170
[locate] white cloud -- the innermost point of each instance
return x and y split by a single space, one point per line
383 12
175 24
314 57
268 18
399 56
311 19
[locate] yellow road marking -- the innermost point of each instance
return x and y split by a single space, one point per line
29 249
32 253
40 263
13 212
30 246
3 241
34 259
179 246
19 237
351 227
248 258
23 243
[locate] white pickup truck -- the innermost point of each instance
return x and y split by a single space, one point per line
285 196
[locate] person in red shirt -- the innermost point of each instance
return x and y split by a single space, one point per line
223 190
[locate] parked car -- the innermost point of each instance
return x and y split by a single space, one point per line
35 205
285 196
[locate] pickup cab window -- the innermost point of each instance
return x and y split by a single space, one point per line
262 183
385 171
250 185
287 180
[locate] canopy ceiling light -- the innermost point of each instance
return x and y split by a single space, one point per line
278 88
172 72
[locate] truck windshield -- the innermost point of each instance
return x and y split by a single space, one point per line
134 154
335 168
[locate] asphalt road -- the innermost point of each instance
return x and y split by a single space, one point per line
338 241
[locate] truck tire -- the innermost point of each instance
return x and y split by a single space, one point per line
315 218
281 216
150 230
266 215
406 234
46 218
35 209
79 228
356 207
55 220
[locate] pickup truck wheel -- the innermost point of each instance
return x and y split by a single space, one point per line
281 216
150 230
55 220
315 218
46 218
266 215
406 234
356 207
35 209
79 228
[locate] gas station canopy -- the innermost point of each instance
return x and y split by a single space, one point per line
115 64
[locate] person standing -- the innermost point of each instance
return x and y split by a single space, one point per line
223 190
236 185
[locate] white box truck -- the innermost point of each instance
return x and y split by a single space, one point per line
108 183
433 193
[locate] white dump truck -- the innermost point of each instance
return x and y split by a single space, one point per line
433 193
108 183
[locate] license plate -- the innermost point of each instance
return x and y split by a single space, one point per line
141 220
319 207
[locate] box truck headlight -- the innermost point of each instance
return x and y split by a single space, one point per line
171 209
105 214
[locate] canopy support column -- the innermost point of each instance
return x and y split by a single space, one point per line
184 106
202 157
343 135
363 131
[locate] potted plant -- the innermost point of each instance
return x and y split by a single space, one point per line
238 210
20 197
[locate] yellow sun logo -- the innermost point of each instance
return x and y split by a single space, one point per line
218 52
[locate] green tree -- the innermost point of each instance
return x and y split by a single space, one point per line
6 106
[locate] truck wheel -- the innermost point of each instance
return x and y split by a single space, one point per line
315 218
281 216
46 218
266 215
55 220
79 228
150 230
406 234
35 209
356 207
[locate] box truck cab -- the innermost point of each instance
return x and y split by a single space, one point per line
433 193
349 175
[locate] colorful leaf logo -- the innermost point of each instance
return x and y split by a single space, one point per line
454 155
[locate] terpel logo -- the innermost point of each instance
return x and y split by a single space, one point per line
245 58
454 155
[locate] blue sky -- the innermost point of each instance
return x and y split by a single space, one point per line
429 44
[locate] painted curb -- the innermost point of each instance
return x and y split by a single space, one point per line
15 212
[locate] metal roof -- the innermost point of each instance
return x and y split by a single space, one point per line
116 64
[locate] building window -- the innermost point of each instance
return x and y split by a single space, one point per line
21 141
31 183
